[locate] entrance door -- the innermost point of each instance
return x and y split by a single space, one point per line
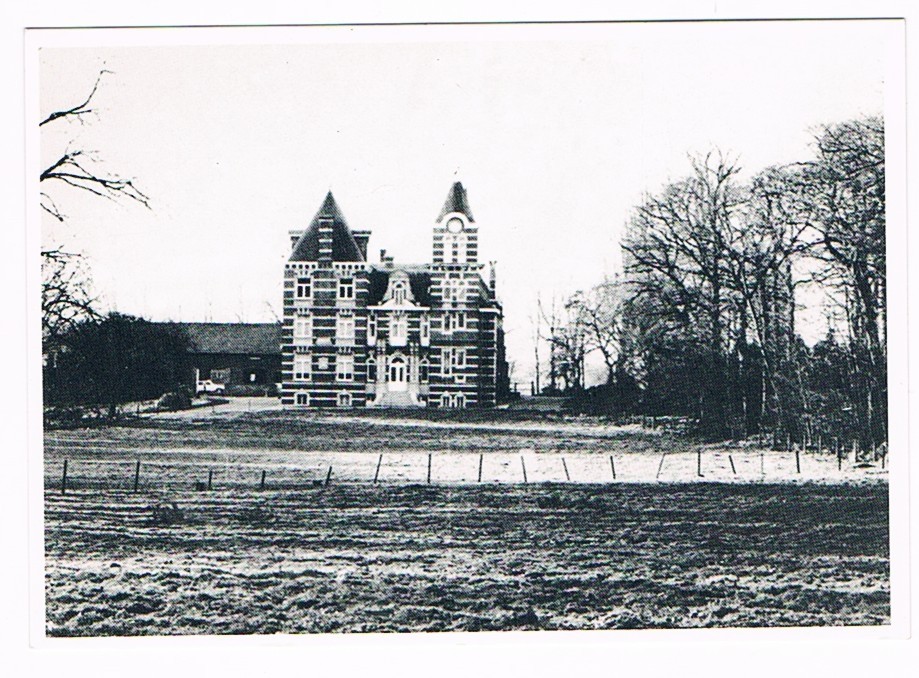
397 374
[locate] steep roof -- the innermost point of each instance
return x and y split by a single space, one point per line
456 202
234 338
344 247
419 279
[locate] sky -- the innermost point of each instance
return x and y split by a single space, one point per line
556 131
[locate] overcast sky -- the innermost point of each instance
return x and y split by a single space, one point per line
555 132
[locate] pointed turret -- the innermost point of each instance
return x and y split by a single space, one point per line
328 237
456 202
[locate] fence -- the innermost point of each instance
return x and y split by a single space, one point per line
153 471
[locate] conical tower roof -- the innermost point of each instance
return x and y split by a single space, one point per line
456 202
344 247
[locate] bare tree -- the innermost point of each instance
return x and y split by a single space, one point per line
66 285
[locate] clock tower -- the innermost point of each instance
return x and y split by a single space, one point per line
456 238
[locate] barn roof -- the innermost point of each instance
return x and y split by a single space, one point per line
344 247
456 202
234 338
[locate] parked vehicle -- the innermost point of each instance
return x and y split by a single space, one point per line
208 386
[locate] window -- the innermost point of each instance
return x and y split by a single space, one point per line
452 360
346 288
324 362
344 329
302 367
398 329
304 289
302 398
445 400
424 370
398 292
303 329
371 369
455 321
344 399
453 290
372 330
460 401
425 330
344 368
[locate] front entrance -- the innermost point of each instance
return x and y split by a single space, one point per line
398 375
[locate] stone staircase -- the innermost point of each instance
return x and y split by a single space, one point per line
397 399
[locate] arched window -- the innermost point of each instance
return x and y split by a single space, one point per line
399 292
371 369
424 369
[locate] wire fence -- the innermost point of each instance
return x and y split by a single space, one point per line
299 470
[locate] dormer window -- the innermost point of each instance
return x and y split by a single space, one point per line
399 292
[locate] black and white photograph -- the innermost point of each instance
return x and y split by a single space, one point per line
511 327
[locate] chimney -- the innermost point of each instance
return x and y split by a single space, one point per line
361 238
492 276
325 240
294 237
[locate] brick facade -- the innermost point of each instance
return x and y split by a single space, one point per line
357 334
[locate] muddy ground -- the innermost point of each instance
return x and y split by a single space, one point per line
759 544
437 558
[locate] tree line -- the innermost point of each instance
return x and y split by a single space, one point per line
704 322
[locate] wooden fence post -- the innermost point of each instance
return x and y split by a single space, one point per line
136 475
328 476
524 467
480 467
64 479
612 465
661 465
798 459
699 462
210 479
733 469
565 466
429 468
261 484
376 475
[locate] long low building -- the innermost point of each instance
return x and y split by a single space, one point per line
235 354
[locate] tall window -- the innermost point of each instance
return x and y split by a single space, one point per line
302 398
425 330
452 360
302 367
344 329
303 329
344 368
424 370
372 330
304 288
398 329
346 288
460 401
399 292
371 370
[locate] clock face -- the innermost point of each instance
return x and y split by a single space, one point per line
455 225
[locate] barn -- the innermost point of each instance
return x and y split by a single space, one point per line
244 356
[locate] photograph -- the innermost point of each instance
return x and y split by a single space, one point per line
466 328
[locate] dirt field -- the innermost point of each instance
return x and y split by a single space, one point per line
771 547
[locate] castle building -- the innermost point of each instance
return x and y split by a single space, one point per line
357 334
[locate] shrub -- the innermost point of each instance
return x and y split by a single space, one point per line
174 400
